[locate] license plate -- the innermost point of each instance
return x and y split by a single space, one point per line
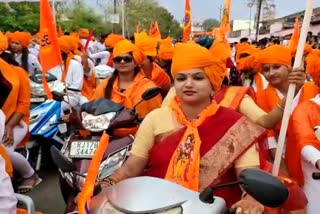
37 99
83 149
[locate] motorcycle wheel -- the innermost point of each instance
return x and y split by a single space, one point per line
65 188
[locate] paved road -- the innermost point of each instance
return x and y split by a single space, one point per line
47 196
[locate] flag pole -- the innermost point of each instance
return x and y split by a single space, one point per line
292 87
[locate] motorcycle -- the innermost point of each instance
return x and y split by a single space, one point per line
38 94
96 116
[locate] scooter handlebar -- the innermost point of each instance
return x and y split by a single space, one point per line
316 175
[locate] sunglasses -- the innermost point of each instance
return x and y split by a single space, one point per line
126 59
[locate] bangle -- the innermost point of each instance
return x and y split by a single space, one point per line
280 107
109 181
244 194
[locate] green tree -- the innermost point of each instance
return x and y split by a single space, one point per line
75 16
19 16
209 24
145 12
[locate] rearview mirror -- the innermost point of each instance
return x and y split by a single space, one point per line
151 93
57 96
263 187
60 160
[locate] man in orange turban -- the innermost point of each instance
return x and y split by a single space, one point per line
303 141
151 69
165 54
274 63
70 72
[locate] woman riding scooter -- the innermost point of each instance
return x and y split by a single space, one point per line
128 83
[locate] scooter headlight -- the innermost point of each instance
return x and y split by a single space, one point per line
37 90
112 163
97 123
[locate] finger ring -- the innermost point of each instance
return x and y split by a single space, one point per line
239 210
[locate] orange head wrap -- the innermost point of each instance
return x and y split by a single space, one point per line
64 44
313 67
125 46
246 63
242 48
112 40
221 50
190 55
73 44
307 49
166 49
275 54
23 38
83 33
147 44
3 42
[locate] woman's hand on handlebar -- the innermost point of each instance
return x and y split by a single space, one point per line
248 205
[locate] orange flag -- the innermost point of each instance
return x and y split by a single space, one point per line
49 54
293 44
187 22
154 30
225 21
138 28
60 32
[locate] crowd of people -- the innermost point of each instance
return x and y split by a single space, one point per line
238 90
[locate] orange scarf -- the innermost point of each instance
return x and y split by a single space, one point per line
66 67
185 162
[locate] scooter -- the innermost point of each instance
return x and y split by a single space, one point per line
38 94
46 129
151 195
96 116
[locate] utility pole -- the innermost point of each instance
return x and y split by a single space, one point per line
114 14
259 6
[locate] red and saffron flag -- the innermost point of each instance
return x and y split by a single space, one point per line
187 22
293 44
154 30
225 21
49 54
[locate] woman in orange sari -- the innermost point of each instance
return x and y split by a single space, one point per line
128 82
177 142
17 109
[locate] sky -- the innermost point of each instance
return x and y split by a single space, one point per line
211 8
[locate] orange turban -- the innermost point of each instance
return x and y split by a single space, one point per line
242 48
221 50
3 42
147 44
313 67
246 63
166 49
190 55
23 38
73 44
64 44
83 33
112 40
275 54
307 49
125 46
